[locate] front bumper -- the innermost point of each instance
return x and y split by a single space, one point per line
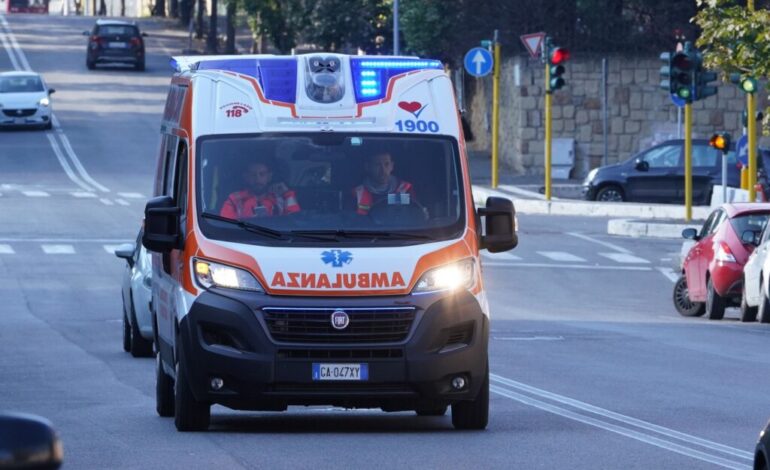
588 192
227 337
23 117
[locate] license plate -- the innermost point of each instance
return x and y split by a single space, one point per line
118 45
359 372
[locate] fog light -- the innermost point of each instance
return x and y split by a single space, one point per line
217 383
458 383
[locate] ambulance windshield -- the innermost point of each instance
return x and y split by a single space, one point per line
315 188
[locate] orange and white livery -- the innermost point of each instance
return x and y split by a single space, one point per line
315 240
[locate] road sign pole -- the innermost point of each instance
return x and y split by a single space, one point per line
724 177
547 132
751 104
688 162
495 111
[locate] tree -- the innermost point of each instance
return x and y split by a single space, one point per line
337 24
212 41
433 28
280 20
232 9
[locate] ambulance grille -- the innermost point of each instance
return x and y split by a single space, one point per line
314 325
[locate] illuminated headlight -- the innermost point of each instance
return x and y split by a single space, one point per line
209 274
460 275
44 102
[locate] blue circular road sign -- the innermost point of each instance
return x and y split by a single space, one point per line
742 150
478 62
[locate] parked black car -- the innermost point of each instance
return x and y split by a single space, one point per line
657 175
114 41
761 461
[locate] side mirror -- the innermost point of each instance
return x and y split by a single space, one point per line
690 234
51 91
161 225
126 251
500 225
750 237
642 165
28 441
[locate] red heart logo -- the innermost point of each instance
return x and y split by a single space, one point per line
410 106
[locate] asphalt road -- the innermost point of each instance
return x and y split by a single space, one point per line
592 367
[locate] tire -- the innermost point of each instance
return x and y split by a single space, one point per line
715 303
140 347
441 411
682 302
126 332
90 65
764 310
189 413
48 126
139 66
164 391
473 414
748 314
610 193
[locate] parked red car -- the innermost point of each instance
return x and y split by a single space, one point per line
712 272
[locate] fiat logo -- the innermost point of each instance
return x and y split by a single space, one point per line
340 320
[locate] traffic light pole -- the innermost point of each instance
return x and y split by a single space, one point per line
547 132
495 111
688 162
751 129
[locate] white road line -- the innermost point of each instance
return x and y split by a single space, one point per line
561 256
623 418
623 431
64 240
58 249
65 164
36 194
624 258
565 266
669 273
110 248
609 245
6 250
22 59
74 157
132 195
83 194
107 202
504 256
8 48
122 202
528 338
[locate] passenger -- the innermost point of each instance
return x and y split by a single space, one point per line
380 186
260 198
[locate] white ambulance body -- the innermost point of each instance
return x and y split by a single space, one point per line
315 240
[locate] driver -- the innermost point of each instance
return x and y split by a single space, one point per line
260 198
381 186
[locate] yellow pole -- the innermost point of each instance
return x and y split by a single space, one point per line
547 132
495 112
744 178
688 162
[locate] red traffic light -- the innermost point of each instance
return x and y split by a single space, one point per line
681 61
559 55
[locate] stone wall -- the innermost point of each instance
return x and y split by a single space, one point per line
640 113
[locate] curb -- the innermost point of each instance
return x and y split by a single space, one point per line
637 229
588 208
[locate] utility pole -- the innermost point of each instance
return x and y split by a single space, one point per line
395 27
495 110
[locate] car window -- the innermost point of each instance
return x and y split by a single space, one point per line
705 156
705 230
721 216
117 30
753 222
666 156
765 235
21 84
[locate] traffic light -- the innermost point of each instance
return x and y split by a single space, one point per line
665 71
682 71
746 84
703 79
758 116
557 56
720 141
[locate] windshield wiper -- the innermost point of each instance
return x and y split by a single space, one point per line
268 232
339 233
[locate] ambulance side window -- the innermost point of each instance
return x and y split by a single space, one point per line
180 180
168 165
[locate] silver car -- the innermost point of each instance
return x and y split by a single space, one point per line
25 100
137 293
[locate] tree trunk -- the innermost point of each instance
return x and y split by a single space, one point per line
102 8
173 8
122 7
212 41
160 8
185 12
230 42
199 27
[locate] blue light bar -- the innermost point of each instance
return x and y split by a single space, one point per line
277 76
371 76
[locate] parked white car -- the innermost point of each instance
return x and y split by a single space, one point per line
755 302
137 293
25 100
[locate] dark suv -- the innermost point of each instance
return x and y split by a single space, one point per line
657 175
113 41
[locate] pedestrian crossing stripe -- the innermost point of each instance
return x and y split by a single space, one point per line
58 249
562 256
6 250
624 258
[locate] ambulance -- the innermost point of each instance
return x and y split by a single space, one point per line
315 241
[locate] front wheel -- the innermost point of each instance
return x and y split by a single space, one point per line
610 193
164 390
715 303
764 309
747 313
189 413
682 302
473 414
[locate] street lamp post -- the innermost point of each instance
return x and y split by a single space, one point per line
395 27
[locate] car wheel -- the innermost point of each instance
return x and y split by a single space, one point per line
48 126
715 303
139 66
764 310
747 313
126 333
682 302
439 411
90 65
473 414
189 413
610 193
140 347
164 390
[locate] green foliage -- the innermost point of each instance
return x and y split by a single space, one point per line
280 20
431 28
335 24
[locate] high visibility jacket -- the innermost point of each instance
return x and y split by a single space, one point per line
244 204
365 198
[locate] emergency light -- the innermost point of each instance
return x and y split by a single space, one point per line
371 76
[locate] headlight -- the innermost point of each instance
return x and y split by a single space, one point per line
591 174
209 274
44 101
459 275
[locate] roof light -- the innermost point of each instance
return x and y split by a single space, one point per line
371 76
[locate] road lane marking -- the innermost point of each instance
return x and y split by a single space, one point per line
669 273
623 431
64 240
528 338
6 250
122 202
107 202
565 266
74 157
58 249
111 248
19 53
504 256
132 195
65 164
7 46
609 245
623 418
561 256
624 258
36 194
83 194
